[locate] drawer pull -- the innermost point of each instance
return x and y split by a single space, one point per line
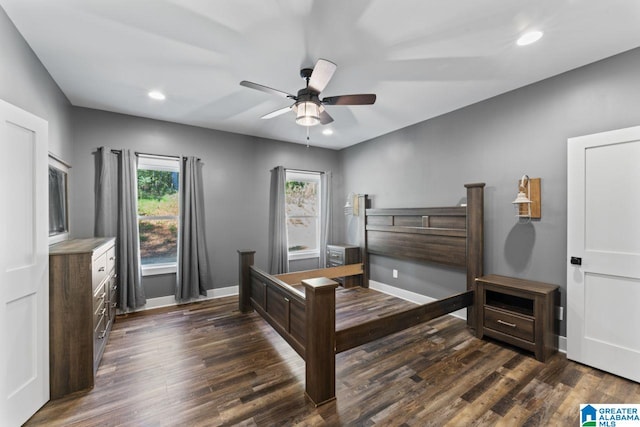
101 269
502 322
111 258
103 311
102 296
114 304
286 299
102 334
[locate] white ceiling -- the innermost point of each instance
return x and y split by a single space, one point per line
422 58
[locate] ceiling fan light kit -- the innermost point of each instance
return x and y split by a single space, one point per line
308 106
307 113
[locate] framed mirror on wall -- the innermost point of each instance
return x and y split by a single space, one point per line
58 199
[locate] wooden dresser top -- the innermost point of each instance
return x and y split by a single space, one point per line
80 246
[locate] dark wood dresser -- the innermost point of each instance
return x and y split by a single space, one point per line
519 312
338 255
82 305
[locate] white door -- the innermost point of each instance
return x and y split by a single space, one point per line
24 265
603 234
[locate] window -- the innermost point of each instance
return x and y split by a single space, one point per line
58 204
158 210
302 199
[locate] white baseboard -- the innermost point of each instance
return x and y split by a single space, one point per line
423 299
171 300
410 296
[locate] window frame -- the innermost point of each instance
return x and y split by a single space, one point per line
309 176
64 168
162 164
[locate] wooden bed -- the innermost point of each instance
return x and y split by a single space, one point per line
301 306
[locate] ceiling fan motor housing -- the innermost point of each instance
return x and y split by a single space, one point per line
308 95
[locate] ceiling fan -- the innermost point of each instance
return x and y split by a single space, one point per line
308 106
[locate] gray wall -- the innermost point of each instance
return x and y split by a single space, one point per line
25 83
235 173
496 142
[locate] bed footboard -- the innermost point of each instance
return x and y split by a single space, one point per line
306 320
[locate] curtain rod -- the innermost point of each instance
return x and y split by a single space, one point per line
138 153
303 171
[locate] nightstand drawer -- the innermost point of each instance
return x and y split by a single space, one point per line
335 257
509 323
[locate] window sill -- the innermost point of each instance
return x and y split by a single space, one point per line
294 256
157 269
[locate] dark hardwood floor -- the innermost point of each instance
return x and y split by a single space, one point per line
205 364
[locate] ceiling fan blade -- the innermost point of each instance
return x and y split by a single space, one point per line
277 113
322 73
325 118
266 89
361 99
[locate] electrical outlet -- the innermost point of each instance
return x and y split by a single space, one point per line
560 313
395 273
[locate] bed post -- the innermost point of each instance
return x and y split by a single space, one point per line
320 347
244 280
363 204
475 244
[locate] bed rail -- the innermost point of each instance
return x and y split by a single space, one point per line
354 336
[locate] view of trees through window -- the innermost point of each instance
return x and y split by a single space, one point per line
158 209
302 199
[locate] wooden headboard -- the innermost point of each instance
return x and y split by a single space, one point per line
452 236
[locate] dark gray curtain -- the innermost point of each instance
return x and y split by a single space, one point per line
325 216
193 262
116 215
278 245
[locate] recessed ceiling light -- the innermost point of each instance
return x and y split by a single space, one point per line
530 37
327 131
157 95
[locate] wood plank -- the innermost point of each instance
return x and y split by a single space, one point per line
444 250
436 211
375 329
454 232
329 273
260 275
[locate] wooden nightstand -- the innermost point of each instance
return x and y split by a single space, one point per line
338 255
519 312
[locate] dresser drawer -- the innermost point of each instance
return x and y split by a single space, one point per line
111 259
99 307
99 340
509 323
99 269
